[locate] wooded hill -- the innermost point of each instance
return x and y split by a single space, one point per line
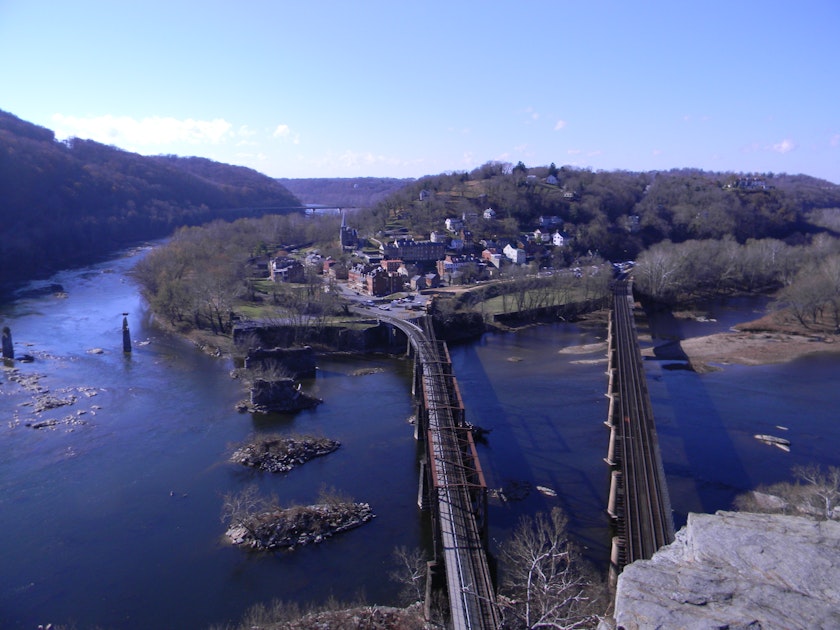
349 192
69 203
615 213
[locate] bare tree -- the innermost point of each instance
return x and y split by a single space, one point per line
546 584
410 573
816 493
657 271
242 509
823 488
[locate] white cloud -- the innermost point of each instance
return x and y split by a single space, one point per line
834 141
152 131
284 132
560 124
359 161
785 146
531 113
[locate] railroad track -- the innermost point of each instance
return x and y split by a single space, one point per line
457 484
644 518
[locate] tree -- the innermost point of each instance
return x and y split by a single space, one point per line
805 297
545 582
816 493
244 508
656 272
410 574
822 488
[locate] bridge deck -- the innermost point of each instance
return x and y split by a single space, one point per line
643 513
458 486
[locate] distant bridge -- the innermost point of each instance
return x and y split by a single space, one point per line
638 500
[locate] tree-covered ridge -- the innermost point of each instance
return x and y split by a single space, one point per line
64 203
616 213
344 192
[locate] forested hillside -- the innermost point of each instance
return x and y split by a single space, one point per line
351 192
65 203
615 213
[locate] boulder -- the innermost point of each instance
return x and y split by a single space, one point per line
737 570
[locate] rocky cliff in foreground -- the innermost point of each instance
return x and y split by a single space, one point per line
737 570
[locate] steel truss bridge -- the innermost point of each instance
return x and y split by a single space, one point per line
452 485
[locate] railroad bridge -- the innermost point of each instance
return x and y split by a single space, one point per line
638 501
451 485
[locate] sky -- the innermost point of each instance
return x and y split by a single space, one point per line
390 88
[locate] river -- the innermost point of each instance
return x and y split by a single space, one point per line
111 517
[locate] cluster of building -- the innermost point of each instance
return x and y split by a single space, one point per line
451 256
748 184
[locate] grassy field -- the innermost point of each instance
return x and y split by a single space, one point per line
531 299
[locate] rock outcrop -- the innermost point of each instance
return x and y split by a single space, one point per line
296 526
737 570
277 453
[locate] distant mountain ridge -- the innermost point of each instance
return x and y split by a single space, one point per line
68 203
351 192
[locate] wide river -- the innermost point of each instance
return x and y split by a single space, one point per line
110 516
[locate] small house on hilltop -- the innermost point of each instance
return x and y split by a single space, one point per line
454 224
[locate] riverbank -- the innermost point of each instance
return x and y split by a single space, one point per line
773 338
776 337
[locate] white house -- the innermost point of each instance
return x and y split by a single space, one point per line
454 224
557 239
489 213
514 254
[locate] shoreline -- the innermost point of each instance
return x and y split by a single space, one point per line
772 338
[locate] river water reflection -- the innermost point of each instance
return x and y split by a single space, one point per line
110 518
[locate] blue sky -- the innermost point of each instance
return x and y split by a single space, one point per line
405 89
